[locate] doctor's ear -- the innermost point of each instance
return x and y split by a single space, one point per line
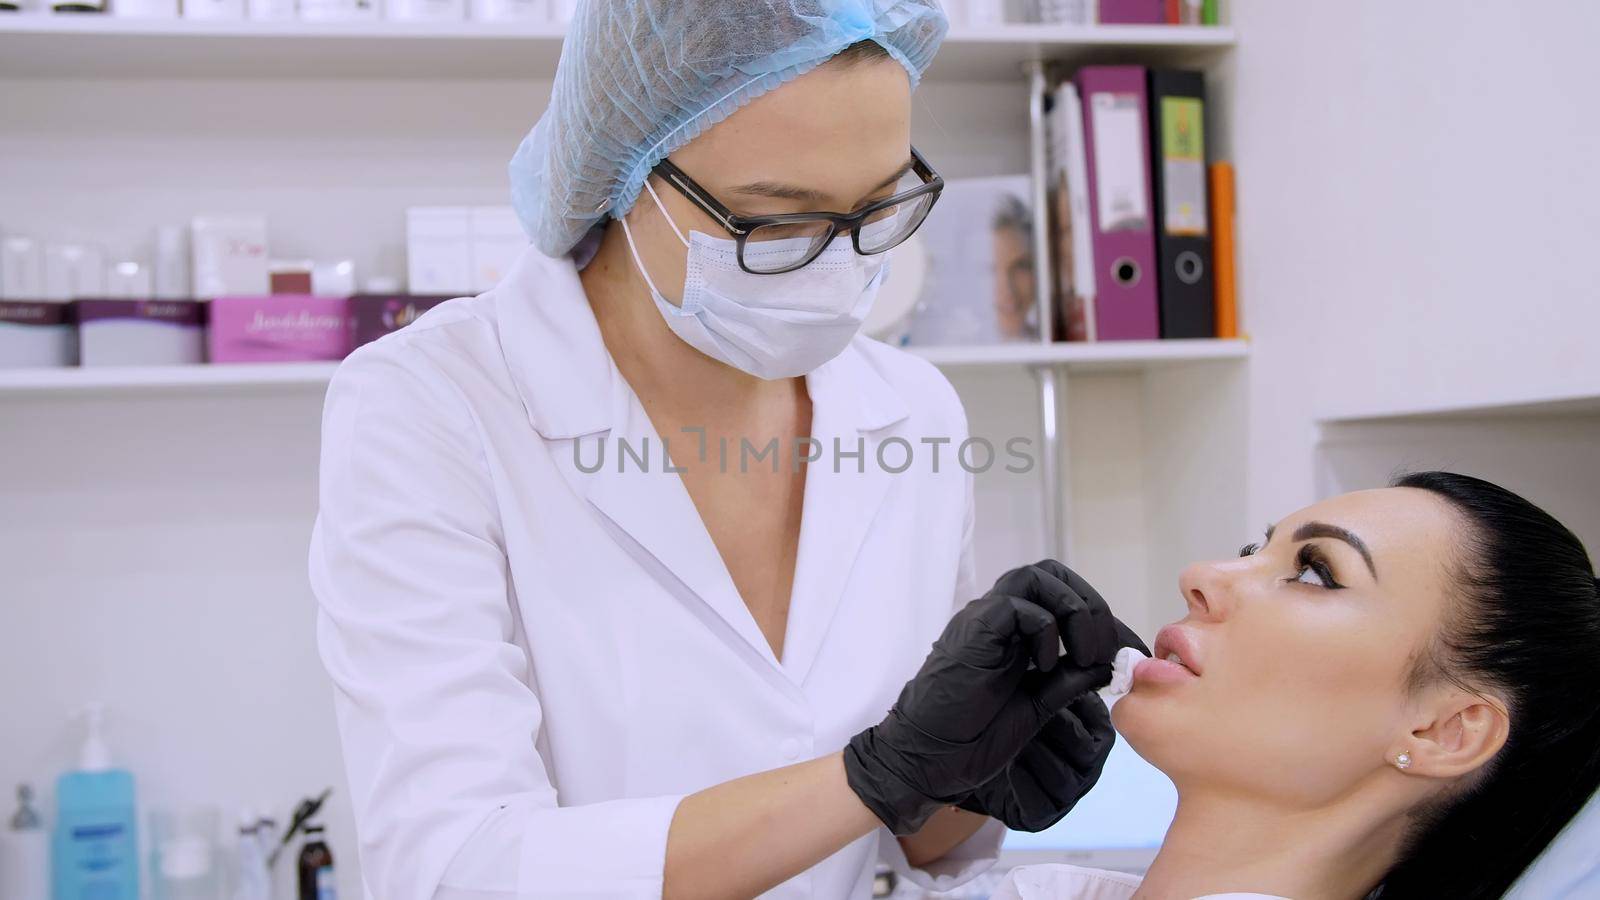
1462 734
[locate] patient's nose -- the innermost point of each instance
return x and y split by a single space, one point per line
1207 590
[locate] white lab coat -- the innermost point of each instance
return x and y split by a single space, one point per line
533 665
1063 882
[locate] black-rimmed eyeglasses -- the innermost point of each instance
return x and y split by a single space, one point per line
770 245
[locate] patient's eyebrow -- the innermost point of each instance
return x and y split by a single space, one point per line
1324 530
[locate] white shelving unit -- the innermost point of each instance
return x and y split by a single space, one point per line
101 46
1576 401
124 379
1131 356
1108 356
160 516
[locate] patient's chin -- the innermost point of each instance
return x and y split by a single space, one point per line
1146 722
1125 713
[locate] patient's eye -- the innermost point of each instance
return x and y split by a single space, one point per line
1249 549
1311 568
1309 575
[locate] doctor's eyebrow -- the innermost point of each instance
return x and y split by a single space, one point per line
779 191
895 176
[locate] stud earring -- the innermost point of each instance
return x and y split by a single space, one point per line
1403 761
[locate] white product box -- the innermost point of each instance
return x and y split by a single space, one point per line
339 10
21 269
426 10
270 10
36 334
72 271
213 9
144 9
141 332
333 278
130 281
438 250
497 240
510 10
172 263
230 256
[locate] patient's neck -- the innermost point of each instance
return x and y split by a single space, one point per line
1221 842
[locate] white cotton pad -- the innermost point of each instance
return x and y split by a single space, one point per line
1122 672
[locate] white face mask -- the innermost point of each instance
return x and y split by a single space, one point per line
770 326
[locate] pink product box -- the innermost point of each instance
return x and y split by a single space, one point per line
278 328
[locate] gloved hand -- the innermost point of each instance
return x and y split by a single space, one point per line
1053 772
975 704
1064 760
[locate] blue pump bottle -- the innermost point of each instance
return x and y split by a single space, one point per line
94 850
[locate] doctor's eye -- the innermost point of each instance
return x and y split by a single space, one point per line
1249 549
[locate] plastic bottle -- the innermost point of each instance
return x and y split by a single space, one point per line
316 867
25 853
95 848
253 882
185 862
267 838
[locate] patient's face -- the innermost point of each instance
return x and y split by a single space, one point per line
1300 651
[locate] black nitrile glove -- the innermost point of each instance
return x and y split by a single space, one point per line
1064 760
975 704
1053 772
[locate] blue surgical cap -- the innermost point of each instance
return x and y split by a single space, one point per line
640 78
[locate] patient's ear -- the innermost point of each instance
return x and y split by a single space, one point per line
1465 732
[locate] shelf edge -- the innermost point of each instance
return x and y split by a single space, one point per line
201 376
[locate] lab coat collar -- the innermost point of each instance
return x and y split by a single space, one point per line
842 498
552 347
850 385
649 508
653 510
565 375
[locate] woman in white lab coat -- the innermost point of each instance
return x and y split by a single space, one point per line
613 559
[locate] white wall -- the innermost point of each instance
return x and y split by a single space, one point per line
152 557
325 161
1552 459
1419 209
332 163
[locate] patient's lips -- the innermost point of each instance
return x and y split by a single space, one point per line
1176 660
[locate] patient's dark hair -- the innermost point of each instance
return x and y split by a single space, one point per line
1524 626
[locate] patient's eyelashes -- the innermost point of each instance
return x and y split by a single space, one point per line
1254 547
1309 561
1310 566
